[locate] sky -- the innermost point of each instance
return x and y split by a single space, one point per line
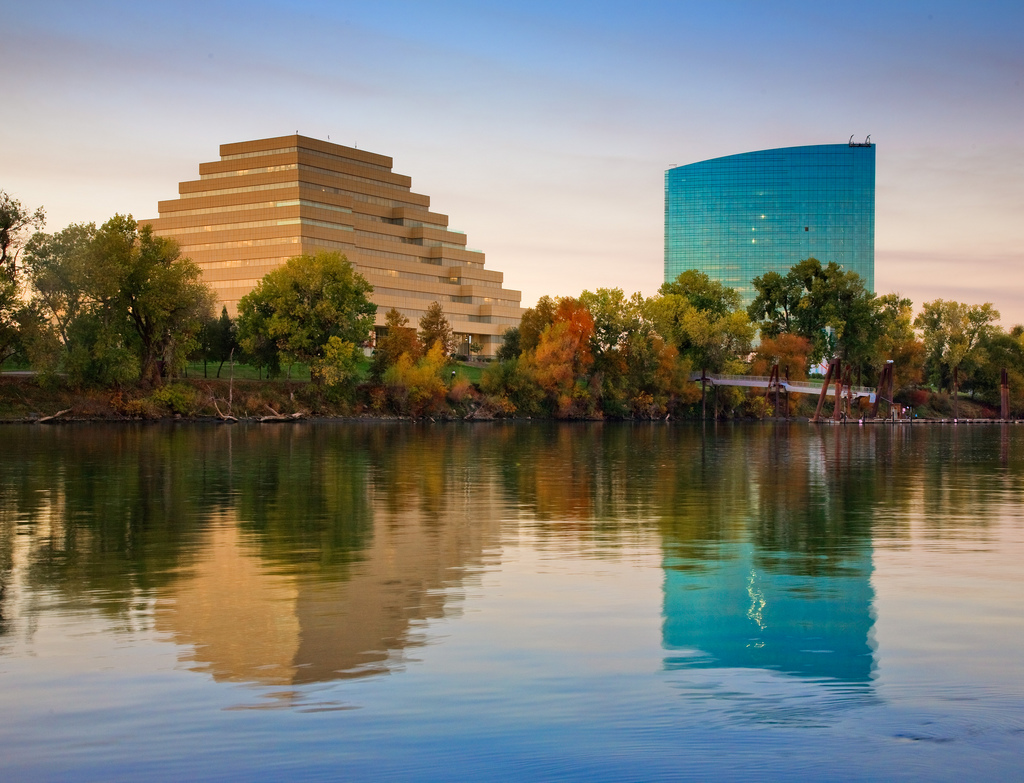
542 129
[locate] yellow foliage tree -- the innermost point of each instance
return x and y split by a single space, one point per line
416 387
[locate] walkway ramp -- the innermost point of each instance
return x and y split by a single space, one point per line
796 387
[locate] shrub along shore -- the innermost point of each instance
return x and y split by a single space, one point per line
24 400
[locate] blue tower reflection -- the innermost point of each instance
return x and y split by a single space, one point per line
742 611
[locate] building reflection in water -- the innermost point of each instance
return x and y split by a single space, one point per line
247 610
785 584
310 553
735 614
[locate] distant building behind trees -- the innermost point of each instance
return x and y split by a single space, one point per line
269 200
742 216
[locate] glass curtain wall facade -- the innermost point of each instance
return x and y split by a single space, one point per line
737 217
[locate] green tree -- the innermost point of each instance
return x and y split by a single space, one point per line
339 366
142 276
1002 351
836 313
656 379
622 347
15 221
295 310
897 341
702 318
435 330
615 318
954 334
510 381
217 340
57 272
510 345
11 307
774 308
703 293
121 302
259 346
223 339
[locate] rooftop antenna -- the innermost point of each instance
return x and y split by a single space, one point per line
868 140
851 140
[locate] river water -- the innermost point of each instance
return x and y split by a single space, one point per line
529 601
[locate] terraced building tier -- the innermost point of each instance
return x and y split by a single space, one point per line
268 200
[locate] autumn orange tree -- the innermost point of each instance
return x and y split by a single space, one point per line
788 351
560 362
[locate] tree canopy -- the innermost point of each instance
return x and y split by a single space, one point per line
436 330
116 304
897 341
296 309
119 302
825 304
774 308
15 221
702 318
954 334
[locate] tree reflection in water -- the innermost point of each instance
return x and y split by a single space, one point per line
313 552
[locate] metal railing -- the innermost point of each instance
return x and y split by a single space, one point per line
763 381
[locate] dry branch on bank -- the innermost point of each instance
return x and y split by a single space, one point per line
223 417
47 419
280 417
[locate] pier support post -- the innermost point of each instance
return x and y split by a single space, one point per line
824 390
956 392
1004 395
703 389
837 410
884 390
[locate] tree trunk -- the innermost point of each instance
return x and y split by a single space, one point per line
837 410
1004 395
824 389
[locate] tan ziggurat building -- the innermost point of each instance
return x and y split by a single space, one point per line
268 200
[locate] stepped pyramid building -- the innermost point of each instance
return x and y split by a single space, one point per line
268 200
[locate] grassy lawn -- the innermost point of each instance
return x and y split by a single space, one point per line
300 372
471 372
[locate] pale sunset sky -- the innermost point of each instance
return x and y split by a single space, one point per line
542 129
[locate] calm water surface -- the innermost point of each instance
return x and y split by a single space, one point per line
541 602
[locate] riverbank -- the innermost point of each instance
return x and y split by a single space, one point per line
24 400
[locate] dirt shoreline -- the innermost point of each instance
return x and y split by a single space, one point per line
206 400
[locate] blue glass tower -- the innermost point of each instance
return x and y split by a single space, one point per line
737 217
